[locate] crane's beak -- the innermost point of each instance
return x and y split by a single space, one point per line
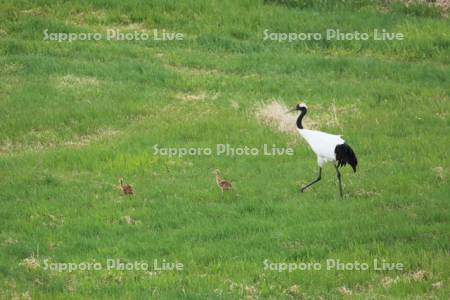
294 109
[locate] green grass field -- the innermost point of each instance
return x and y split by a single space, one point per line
76 116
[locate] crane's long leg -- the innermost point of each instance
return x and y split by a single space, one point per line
338 174
311 183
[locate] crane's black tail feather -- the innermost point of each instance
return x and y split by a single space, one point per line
344 155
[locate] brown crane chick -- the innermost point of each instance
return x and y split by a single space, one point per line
126 188
224 185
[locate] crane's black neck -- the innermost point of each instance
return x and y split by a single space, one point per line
300 118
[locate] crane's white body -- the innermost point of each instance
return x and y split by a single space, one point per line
327 147
323 144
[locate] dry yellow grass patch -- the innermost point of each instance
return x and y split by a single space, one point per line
189 71
130 26
124 25
53 221
84 140
319 116
80 18
345 291
10 68
44 140
250 291
129 220
36 11
30 263
73 81
293 291
190 97
419 275
442 115
10 241
366 193
387 281
440 173
274 115
442 4
235 104
186 97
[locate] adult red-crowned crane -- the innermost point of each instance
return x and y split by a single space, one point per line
327 147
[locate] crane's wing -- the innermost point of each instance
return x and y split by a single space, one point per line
323 144
344 155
